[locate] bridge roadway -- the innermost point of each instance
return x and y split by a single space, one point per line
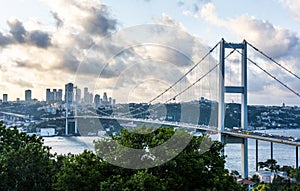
14 114
235 134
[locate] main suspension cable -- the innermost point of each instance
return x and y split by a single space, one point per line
261 52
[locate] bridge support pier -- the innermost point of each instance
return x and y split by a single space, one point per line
244 157
256 155
297 157
76 126
271 150
67 127
227 139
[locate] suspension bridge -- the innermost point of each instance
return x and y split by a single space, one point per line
191 83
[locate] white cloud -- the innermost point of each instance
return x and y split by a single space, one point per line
293 6
44 56
279 43
192 8
167 20
84 40
273 40
146 52
84 43
208 13
83 16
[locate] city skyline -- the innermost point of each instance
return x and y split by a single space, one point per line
59 95
44 46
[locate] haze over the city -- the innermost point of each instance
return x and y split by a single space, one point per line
46 44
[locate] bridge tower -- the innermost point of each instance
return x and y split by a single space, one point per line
68 105
240 89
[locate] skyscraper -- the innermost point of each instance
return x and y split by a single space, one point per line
28 95
78 95
69 94
48 95
90 98
86 95
105 97
97 100
5 97
59 95
54 95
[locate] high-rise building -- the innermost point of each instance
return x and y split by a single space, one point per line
78 95
5 97
69 93
97 100
59 95
86 95
28 95
54 95
90 98
48 95
105 97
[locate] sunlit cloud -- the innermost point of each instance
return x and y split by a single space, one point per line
279 43
293 6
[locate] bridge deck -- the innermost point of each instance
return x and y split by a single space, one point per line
192 126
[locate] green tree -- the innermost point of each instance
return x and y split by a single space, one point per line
295 173
262 187
255 178
270 164
25 164
141 180
192 169
261 165
79 172
278 182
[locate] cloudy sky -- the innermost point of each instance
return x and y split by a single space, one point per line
134 49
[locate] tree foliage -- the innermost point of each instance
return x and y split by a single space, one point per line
192 169
270 164
25 164
84 171
279 183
